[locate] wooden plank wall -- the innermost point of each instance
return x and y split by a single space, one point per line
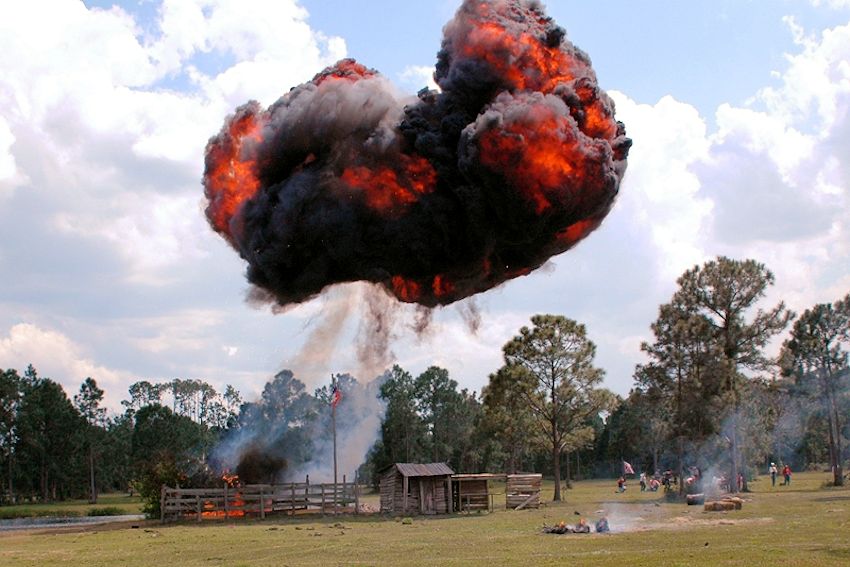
388 491
521 487
256 500
441 503
471 495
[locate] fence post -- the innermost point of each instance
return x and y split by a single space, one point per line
292 498
344 496
162 504
323 499
225 502
198 505
356 495
262 503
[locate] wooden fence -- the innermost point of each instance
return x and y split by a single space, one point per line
258 500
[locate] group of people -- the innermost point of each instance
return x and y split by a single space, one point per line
651 484
668 479
786 473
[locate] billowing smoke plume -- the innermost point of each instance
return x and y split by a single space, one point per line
516 159
287 434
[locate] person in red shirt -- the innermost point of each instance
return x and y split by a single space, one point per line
786 472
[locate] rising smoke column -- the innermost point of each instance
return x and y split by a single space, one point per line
516 159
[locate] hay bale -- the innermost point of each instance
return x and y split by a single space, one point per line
738 502
719 506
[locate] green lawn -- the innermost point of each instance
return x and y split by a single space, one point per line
803 524
118 503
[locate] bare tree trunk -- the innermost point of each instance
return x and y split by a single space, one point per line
733 449
680 449
745 487
93 488
837 470
578 465
556 465
680 458
44 493
569 483
11 485
654 459
832 459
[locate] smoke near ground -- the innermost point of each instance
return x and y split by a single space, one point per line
287 433
517 158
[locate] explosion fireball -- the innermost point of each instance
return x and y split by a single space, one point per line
517 158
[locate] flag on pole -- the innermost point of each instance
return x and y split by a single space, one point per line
336 396
627 468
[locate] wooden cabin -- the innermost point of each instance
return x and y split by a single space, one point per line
411 488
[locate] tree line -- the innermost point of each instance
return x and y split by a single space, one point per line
707 396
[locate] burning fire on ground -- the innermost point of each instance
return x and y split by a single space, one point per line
517 158
235 502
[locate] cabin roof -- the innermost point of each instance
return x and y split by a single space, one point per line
423 469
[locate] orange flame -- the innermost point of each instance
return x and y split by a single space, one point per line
405 289
539 156
346 69
577 231
231 176
392 188
528 64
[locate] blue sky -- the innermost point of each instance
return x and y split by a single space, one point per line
738 111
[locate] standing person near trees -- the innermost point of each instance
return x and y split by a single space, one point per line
786 472
772 470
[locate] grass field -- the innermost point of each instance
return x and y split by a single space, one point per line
804 524
118 503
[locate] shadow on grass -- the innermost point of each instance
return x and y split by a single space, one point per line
830 498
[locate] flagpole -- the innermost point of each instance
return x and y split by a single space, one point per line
333 429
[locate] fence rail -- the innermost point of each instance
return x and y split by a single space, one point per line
258 500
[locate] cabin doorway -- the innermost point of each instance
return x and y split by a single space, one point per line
426 496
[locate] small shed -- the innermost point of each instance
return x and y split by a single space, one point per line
411 488
472 491
523 491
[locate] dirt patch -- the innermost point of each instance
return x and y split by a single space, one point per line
683 522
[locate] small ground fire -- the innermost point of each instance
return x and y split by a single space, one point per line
516 158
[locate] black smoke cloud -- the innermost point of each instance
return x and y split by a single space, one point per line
515 159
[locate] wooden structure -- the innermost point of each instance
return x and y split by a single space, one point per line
410 488
258 500
523 491
472 491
